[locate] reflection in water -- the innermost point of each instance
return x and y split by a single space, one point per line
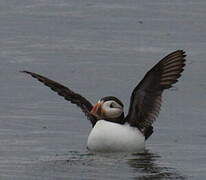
84 165
145 163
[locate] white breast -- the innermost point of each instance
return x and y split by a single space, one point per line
112 137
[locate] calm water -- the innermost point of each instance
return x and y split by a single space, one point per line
98 48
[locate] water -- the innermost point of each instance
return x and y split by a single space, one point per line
98 48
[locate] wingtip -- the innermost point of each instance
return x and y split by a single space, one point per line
26 72
23 71
182 52
173 66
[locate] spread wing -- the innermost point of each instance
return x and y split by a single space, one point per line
68 94
145 100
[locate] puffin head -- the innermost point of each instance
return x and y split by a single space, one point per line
110 109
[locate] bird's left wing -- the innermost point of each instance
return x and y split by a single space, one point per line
68 94
145 101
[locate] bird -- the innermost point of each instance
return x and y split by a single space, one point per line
112 131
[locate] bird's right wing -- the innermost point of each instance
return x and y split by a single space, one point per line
68 94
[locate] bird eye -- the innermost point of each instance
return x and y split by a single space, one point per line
111 105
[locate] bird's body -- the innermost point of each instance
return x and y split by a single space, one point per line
112 130
112 137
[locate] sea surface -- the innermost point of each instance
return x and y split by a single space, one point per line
98 48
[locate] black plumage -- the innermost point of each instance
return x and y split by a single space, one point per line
146 98
68 94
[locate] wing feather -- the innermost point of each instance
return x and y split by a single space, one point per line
68 94
146 98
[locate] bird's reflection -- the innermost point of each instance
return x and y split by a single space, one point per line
142 166
147 168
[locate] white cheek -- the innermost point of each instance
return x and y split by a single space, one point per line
111 112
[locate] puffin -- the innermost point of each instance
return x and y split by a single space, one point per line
112 130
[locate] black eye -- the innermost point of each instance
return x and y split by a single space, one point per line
111 105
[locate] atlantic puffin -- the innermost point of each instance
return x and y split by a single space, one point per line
112 131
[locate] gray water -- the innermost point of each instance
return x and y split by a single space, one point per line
98 48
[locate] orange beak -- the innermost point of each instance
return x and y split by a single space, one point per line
97 110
